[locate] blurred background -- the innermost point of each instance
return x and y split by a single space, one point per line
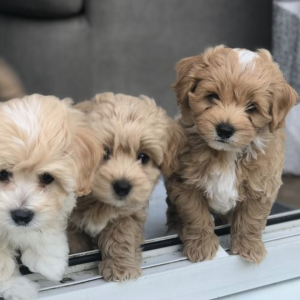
77 48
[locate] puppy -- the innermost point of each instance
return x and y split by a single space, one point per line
140 142
47 157
233 105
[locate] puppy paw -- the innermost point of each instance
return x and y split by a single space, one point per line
19 288
51 267
115 271
7 266
203 248
250 250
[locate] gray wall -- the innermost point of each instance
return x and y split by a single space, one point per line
128 46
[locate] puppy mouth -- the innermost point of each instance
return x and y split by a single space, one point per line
120 198
223 141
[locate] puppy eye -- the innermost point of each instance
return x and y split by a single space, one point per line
107 154
144 158
250 108
4 175
46 178
213 96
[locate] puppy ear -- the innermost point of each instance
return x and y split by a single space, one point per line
283 101
186 79
176 142
86 153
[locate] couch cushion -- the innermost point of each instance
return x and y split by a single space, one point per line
42 8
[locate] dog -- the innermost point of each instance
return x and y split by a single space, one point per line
233 104
47 158
140 143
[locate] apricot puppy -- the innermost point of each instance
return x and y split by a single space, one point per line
140 143
233 104
47 158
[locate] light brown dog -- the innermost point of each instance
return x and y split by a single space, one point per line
141 142
233 105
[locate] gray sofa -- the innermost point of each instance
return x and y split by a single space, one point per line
78 48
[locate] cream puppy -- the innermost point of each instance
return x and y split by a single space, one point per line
47 157
141 143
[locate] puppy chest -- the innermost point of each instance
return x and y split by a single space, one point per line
221 189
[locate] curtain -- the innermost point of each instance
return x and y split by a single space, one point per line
286 51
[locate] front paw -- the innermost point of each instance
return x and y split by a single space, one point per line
7 266
19 288
203 248
117 270
250 250
51 267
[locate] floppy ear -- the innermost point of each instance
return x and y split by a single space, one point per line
283 101
87 154
176 142
186 80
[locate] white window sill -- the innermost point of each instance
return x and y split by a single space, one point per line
167 274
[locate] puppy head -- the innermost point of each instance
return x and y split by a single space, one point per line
46 155
232 95
140 142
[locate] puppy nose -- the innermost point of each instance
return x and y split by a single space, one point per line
122 187
225 130
22 217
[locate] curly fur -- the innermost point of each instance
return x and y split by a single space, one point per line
237 178
126 126
38 135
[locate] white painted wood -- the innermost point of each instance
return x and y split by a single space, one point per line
221 277
286 290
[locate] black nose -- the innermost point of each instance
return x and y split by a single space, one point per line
122 187
225 130
22 217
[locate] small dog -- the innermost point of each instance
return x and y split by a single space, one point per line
140 142
47 157
233 105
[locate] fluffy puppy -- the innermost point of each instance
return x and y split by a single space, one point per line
140 142
47 157
233 105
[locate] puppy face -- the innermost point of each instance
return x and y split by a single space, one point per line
140 142
233 95
46 156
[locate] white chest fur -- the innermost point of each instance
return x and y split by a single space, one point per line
221 188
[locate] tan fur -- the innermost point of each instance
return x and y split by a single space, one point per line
41 135
127 126
253 156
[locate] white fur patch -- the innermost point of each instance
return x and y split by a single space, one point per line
246 58
25 117
257 145
93 229
221 187
18 288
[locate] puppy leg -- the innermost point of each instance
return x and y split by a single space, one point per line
78 240
119 244
7 262
196 224
48 255
18 287
248 221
